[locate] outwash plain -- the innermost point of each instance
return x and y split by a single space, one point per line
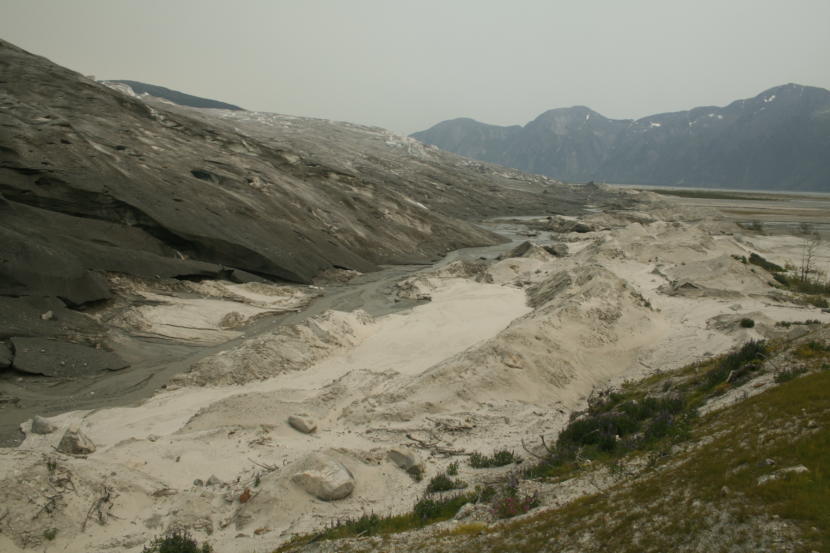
258 414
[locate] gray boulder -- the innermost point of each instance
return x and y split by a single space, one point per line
6 356
558 249
75 442
42 426
404 458
324 477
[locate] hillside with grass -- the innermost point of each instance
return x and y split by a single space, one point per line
732 454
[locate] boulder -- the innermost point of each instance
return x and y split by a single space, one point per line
404 458
558 249
6 356
302 423
75 442
324 477
42 426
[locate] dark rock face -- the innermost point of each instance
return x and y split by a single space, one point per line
63 359
93 180
776 140
174 95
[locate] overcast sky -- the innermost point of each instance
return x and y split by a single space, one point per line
406 65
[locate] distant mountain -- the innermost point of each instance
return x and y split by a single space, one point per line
779 139
174 96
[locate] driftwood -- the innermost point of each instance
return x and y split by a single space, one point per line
435 448
100 507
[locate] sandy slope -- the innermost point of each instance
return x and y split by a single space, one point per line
500 353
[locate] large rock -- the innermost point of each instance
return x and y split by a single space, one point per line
6 356
302 423
404 457
42 426
75 442
324 477
55 358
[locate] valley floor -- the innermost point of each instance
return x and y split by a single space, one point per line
487 352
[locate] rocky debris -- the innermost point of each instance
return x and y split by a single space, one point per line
416 289
41 425
404 458
561 224
302 423
75 442
782 473
6 356
529 250
558 249
48 316
22 317
213 481
62 359
324 477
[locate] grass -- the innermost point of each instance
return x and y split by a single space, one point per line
428 510
705 497
176 541
499 458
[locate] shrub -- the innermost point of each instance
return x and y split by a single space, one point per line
756 259
747 323
416 472
452 468
789 374
508 503
50 533
439 509
738 363
176 541
499 458
443 483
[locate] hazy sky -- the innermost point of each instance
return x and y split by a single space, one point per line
409 64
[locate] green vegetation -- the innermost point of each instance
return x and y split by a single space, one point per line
747 323
416 472
674 493
788 324
428 510
50 533
176 541
499 458
756 259
443 483
508 503
452 468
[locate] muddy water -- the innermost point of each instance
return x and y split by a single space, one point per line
154 361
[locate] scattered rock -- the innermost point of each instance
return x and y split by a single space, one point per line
559 249
302 423
75 442
231 320
404 458
198 482
213 481
48 316
324 478
812 424
781 473
42 426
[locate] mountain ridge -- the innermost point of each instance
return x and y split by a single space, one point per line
774 140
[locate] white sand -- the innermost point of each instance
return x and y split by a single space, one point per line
473 369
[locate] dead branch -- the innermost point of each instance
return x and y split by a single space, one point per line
97 507
541 458
269 468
